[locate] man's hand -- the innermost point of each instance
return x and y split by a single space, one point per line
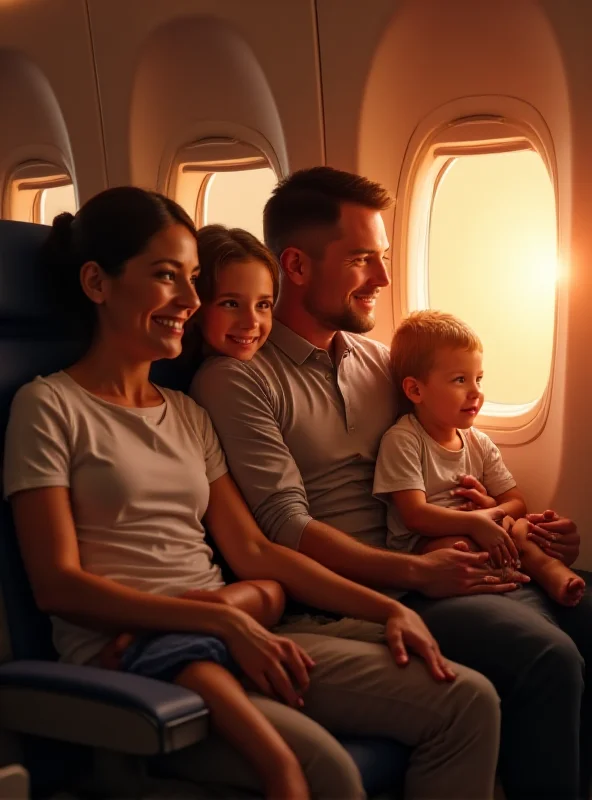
557 536
454 571
406 631
474 493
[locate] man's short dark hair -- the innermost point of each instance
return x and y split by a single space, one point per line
311 199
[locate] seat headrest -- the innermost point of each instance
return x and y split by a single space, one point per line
23 286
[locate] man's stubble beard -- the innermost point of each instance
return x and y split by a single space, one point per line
345 320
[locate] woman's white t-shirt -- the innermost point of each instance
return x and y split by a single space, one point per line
139 487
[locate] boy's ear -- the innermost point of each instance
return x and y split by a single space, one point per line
412 389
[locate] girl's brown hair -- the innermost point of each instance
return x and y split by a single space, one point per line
218 246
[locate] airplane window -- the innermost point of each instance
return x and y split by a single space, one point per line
38 192
54 201
491 256
223 180
236 199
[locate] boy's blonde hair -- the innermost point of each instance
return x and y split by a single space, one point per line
415 342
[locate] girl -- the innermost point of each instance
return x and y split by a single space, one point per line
237 285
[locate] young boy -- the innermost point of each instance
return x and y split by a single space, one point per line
425 457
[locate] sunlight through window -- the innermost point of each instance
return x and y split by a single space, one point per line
492 261
55 201
38 192
236 199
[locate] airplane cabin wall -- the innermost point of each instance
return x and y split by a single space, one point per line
385 73
571 24
112 89
171 73
48 96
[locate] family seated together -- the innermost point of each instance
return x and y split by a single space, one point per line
374 533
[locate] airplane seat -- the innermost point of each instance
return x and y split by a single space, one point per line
122 718
56 709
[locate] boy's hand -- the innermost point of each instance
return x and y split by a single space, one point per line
474 493
491 536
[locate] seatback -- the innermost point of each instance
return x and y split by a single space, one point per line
34 340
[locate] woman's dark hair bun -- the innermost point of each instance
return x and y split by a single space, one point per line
62 220
62 226
58 246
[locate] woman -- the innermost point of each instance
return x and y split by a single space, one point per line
109 477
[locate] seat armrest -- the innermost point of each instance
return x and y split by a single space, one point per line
64 701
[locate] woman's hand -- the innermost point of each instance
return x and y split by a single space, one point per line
277 666
405 630
557 536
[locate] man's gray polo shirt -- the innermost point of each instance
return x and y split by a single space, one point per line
301 434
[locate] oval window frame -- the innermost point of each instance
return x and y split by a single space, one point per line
33 176
463 125
219 146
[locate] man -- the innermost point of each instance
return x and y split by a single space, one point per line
301 425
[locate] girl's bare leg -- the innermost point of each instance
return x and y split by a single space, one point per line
556 578
245 727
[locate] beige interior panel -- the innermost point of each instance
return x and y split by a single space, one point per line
385 73
172 72
48 91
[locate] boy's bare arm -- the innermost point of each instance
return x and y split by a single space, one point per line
512 503
476 497
430 520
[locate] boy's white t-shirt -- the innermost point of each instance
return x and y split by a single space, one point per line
139 487
409 458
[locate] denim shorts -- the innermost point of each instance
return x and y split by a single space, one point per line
163 655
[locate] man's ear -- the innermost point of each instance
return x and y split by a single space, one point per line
296 265
412 389
93 281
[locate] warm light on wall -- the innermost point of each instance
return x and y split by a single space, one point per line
492 260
